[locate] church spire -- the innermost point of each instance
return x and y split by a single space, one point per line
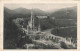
32 20
39 27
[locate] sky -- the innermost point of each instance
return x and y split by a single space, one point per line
42 6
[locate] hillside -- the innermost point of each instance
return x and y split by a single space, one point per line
65 13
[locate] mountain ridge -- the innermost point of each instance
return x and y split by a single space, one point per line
61 13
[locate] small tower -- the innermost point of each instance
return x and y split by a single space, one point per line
28 27
39 28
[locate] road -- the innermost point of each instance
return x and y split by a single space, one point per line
49 30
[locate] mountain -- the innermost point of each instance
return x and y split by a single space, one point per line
39 12
22 11
28 11
9 11
65 13
6 10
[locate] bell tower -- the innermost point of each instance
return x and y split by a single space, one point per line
31 23
39 27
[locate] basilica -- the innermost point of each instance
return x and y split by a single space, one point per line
31 28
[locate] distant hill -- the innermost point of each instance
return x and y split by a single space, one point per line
65 13
28 11
39 12
6 10
22 11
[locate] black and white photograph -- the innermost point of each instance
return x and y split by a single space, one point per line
40 26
